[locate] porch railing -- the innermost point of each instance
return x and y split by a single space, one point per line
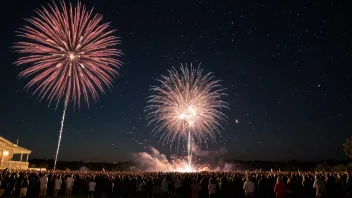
14 165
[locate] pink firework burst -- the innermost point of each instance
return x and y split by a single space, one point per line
70 53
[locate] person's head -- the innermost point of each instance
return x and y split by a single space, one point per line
212 180
248 178
317 177
194 181
278 180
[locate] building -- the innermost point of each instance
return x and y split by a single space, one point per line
9 151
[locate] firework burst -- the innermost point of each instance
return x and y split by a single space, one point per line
71 54
187 105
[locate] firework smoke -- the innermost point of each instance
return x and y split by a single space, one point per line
70 53
155 161
187 106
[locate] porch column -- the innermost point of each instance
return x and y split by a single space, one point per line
27 157
21 157
2 158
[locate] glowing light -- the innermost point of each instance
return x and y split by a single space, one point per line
184 167
72 56
6 153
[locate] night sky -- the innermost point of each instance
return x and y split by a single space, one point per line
286 66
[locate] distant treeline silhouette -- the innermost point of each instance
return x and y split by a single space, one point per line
292 165
77 165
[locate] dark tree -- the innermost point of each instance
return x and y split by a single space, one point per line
323 167
348 147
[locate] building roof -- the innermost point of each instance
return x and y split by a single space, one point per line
7 144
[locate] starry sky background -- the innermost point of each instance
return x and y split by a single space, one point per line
286 66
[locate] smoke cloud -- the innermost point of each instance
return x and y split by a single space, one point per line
204 160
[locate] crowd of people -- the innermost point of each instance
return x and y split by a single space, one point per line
160 184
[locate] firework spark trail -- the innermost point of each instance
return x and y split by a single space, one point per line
60 134
189 148
187 106
72 55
